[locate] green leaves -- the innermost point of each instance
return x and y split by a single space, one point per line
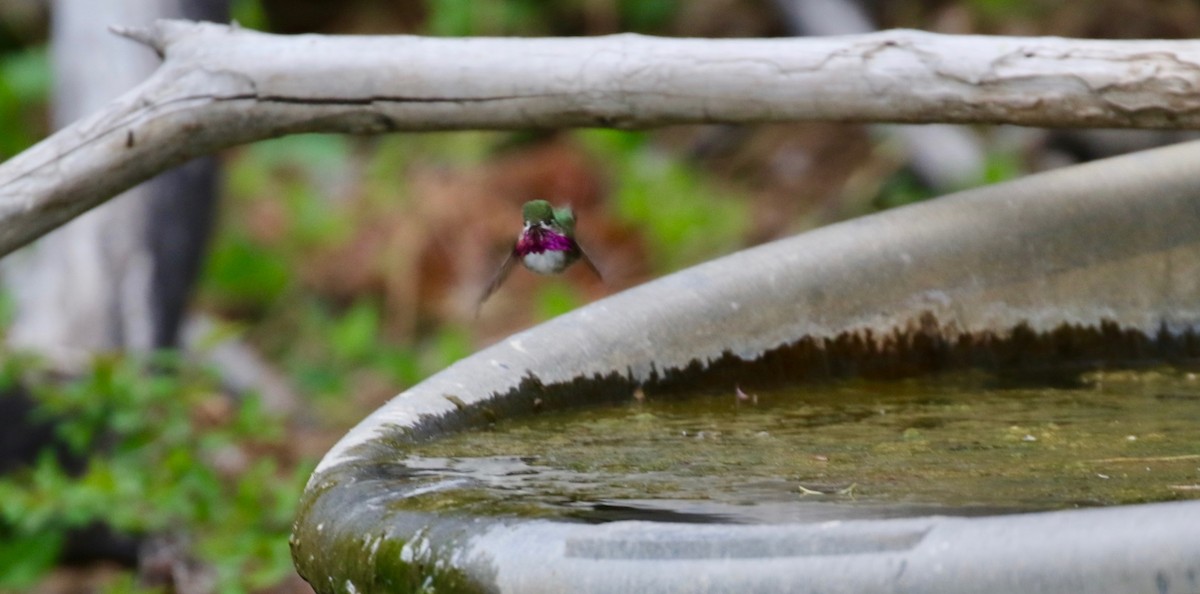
24 85
687 217
556 298
354 337
461 18
166 451
26 558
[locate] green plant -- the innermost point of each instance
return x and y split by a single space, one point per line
556 298
900 189
687 216
1001 10
248 14
461 18
24 86
904 187
647 15
1002 166
165 452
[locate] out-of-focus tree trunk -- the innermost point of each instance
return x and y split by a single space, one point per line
118 277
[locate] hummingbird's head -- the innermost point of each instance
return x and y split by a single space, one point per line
537 212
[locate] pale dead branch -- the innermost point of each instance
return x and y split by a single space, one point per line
219 86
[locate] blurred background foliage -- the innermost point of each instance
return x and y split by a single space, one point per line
352 265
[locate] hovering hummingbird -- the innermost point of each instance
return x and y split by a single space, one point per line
546 245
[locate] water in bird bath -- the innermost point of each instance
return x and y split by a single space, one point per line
962 444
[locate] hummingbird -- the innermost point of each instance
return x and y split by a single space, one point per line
546 244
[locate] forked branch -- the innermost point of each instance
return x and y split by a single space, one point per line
221 85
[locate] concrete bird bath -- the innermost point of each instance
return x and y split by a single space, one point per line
1080 263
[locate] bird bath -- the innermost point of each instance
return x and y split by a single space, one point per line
1075 274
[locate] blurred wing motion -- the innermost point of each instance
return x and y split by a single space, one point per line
565 217
591 266
505 270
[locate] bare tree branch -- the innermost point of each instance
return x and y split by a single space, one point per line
220 86
945 156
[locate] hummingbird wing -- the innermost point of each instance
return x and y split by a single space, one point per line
498 279
565 218
586 260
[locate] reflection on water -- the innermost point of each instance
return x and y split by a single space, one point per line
964 444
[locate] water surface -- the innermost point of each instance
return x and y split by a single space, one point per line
963 444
